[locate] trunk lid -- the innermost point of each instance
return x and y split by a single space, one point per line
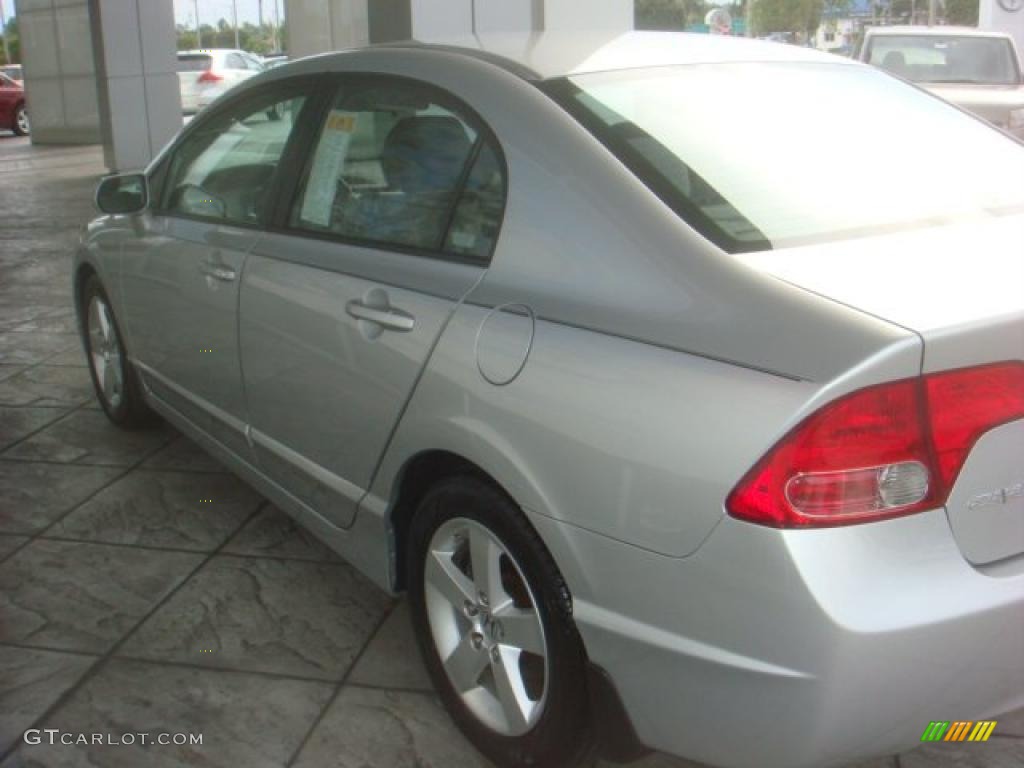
961 288
191 66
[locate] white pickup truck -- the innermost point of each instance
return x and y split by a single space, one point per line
976 70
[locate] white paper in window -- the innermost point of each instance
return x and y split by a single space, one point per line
328 162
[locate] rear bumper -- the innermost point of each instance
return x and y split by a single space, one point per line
800 648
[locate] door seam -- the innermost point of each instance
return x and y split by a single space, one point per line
415 385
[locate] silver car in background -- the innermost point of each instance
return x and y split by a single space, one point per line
674 441
204 75
977 70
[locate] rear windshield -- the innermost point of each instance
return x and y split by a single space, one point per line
946 58
194 62
757 156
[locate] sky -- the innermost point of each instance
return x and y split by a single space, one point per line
210 11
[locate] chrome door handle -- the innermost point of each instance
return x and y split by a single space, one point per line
219 272
395 319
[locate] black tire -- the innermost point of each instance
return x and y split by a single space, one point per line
562 734
20 114
131 411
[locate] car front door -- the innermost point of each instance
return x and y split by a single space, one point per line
393 221
180 276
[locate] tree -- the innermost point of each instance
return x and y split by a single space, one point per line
668 14
771 16
962 12
10 37
836 8
252 38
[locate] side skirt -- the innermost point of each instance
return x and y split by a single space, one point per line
367 544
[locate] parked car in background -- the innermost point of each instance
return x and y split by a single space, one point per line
14 72
13 112
662 430
977 70
206 74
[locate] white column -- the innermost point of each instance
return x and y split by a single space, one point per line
316 26
60 79
137 82
994 17
101 71
604 15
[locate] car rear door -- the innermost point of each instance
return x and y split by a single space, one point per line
393 221
180 274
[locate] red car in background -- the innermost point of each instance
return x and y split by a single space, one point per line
13 115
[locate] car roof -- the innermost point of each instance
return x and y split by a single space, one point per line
935 31
544 55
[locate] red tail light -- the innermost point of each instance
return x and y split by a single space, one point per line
880 452
209 76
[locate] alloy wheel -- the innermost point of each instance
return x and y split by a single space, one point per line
105 355
22 120
486 627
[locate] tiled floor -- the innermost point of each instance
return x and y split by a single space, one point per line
129 606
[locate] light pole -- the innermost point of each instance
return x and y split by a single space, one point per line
277 26
3 30
234 15
199 29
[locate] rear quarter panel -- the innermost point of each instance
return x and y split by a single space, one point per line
632 441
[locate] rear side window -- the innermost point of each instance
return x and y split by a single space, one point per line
194 62
389 169
224 169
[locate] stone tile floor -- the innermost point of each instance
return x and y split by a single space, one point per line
127 606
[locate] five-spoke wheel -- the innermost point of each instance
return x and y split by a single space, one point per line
493 618
113 377
485 626
105 355
21 124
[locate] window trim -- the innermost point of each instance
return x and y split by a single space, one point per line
290 191
309 87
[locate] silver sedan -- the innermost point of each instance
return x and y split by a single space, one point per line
685 404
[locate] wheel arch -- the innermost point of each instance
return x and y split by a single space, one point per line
616 736
417 476
83 271
426 449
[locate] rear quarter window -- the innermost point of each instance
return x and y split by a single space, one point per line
194 62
